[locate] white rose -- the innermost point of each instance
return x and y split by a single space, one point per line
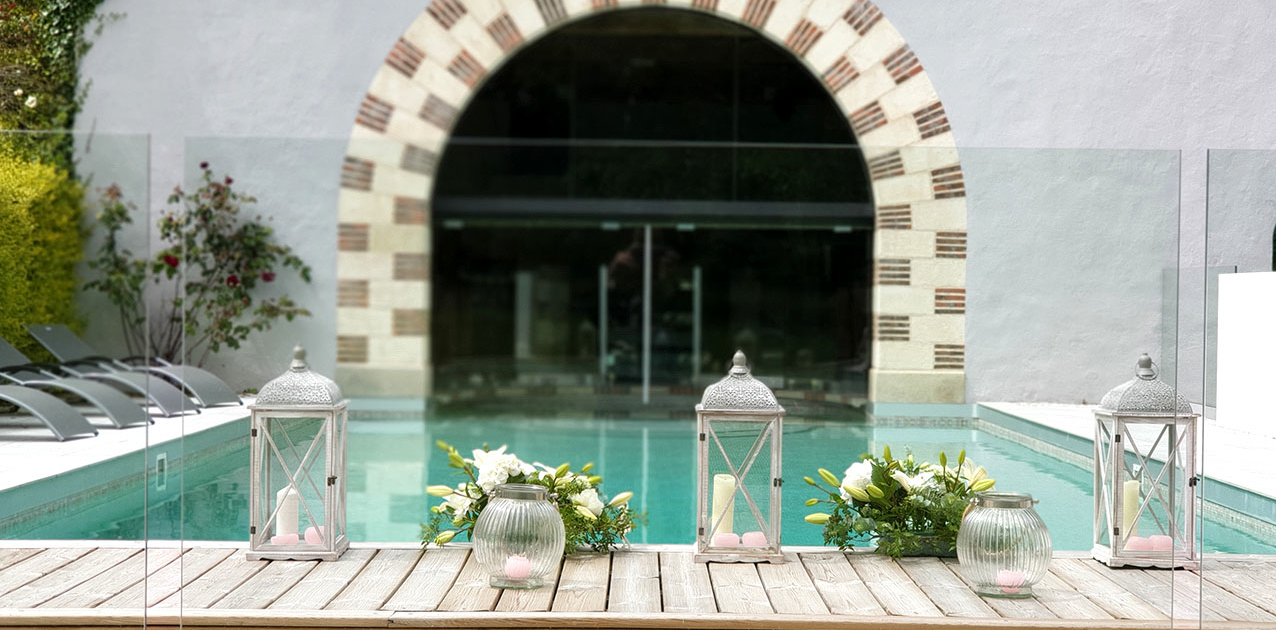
859 475
589 499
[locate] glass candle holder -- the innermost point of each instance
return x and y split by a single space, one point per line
1003 545
519 536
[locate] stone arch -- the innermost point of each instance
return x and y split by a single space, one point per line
383 259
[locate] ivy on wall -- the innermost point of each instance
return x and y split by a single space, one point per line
41 44
41 200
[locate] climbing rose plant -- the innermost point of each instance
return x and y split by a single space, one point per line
211 273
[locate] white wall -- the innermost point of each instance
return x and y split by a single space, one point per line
1088 74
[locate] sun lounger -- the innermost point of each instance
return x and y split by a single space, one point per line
73 352
15 368
62 419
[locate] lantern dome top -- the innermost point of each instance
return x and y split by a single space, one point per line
739 391
1145 395
299 386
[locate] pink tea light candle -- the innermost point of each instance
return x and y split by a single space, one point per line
518 567
314 536
1161 543
1009 581
284 539
753 539
726 539
1138 543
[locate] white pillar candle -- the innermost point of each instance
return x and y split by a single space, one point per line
1129 508
723 492
286 519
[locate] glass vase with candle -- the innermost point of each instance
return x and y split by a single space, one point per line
1003 545
519 536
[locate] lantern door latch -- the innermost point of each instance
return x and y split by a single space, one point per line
701 437
332 481
253 433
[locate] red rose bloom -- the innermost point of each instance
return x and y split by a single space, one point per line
171 260
267 276
203 164
232 281
229 181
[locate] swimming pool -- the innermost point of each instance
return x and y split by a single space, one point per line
392 460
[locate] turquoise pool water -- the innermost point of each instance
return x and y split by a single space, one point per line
391 461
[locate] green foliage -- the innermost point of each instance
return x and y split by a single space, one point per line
905 507
40 243
41 44
212 270
462 505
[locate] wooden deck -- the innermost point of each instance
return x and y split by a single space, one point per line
82 585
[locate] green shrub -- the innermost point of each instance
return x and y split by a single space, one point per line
40 243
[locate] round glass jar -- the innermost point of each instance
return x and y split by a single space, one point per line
519 536
1003 545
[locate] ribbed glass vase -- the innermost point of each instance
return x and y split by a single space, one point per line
519 536
1003 545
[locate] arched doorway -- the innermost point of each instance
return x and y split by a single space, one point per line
636 195
434 72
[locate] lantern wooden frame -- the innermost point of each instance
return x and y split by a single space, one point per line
770 424
1118 458
330 440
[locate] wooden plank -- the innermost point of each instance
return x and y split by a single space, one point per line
430 580
1008 608
738 589
583 585
790 588
841 588
531 599
378 580
74 573
173 576
947 591
684 584
1154 591
269 584
37 566
892 587
15 555
635 582
1106 594
1064 601
1244 579
115 580
1212 597
470 592
322 584
210 587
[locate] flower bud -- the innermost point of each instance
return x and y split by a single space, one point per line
961 457
444 537
809 480
818 518
594 479
983 484
443 445
811 501
584 511
455 460
943 460
828 477
874 491
562 469
621 499
587 467
886 452
439 491
857 494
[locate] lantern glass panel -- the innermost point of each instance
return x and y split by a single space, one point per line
295 452
1154 482
744 448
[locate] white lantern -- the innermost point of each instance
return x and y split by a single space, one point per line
1145 475
740 426
297 497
